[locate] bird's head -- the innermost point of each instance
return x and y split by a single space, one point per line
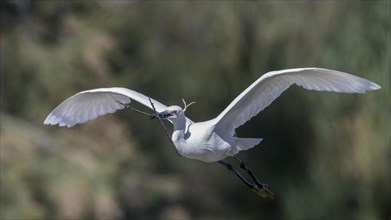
172 112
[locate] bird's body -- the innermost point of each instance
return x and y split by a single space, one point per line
212 140
201 141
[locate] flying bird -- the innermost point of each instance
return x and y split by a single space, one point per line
215 139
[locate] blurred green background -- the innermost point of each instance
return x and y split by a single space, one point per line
326 156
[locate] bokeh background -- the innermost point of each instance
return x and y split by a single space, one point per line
326 156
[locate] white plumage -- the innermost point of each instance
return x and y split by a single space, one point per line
211 140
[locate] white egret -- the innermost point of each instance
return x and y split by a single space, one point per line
213 140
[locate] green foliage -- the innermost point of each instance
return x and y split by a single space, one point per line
326 156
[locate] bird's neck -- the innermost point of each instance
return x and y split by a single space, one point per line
178 135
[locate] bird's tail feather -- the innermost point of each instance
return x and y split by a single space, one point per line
247 143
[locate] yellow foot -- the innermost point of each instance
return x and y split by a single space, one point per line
264 192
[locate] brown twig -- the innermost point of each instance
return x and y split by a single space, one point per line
144 113
149 115
164 128
136 110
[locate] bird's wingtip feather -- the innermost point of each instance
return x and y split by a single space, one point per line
374 86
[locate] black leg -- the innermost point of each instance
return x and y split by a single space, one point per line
244 166
230 167
259 188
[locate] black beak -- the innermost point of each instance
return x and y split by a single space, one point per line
162 115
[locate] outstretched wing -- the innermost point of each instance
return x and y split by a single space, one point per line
88 105
268 87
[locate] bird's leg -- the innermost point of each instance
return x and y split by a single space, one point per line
244 166
261 186
259 189
231 168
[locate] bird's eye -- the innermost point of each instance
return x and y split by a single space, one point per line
175 111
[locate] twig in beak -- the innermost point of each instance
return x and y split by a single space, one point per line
164 127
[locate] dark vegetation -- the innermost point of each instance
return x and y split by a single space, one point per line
326 156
